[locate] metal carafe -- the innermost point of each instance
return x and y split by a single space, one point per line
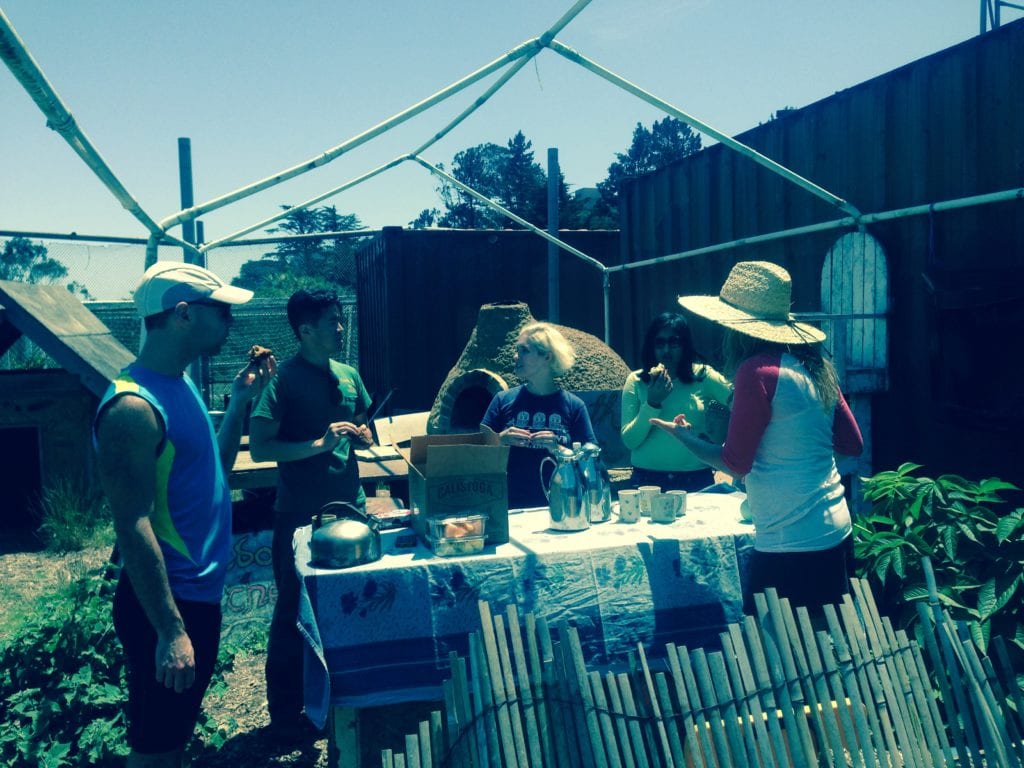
565 492
597 491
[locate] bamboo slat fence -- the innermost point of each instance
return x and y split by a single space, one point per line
842 689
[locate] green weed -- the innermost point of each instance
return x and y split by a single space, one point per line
62 684
73 517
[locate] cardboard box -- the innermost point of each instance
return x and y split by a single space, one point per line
458 475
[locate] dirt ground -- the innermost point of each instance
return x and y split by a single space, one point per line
241 708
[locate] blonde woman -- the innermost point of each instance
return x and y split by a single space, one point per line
788 420
537 416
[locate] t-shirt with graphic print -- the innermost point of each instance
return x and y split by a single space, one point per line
561 412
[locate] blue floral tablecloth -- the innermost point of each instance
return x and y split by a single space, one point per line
381 633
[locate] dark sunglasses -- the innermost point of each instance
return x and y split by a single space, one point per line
221 307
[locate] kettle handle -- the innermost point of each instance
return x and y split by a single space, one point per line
345 509
546 489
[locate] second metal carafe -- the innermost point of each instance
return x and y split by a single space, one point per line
597 491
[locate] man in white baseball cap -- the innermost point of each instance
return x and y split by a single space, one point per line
164 472
168 282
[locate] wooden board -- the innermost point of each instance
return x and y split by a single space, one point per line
67 331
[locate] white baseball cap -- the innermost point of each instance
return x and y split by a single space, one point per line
168 282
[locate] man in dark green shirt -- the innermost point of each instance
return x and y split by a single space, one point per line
310 420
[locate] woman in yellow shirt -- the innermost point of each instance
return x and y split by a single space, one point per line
670 383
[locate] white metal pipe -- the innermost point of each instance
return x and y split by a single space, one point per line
703 127
477 103
520 55
606 288
158 237
313 201
505 212
355 141
849 221
333 235
24 67
482 99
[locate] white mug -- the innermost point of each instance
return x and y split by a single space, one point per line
663 508
680 502
629 506
647 492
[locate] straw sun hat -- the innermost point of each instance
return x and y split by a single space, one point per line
755 301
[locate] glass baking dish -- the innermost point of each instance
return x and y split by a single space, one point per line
457 535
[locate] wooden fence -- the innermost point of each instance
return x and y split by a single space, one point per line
945 127
846 689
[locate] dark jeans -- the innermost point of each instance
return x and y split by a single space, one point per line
811 579
673 481
284 646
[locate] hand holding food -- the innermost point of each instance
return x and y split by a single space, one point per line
659 385
258 354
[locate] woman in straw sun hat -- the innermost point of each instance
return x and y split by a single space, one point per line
788 420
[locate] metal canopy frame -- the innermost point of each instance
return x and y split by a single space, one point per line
24 67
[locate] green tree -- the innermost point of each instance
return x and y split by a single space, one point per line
29 262
327 262
507 175
667 141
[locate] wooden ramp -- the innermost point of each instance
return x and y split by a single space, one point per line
63 328
850 691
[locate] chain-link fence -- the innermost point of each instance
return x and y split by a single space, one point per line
104 272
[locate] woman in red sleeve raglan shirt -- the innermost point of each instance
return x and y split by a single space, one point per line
789 418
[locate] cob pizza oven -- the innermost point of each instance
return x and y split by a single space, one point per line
486 367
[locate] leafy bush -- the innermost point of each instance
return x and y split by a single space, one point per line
976 549
62 685
73 517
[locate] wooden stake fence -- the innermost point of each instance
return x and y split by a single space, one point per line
782 693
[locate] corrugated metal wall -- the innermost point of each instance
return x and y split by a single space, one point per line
420 292
944 127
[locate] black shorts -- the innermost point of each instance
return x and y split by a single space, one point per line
811 579
160 720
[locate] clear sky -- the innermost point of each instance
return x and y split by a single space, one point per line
260 86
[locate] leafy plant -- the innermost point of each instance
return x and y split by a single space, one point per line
62 684
976 549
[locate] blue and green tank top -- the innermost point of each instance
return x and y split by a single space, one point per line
191 514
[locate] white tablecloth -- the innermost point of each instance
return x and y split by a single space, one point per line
381 633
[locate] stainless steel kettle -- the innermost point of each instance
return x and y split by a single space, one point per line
352 538
597 491
565 492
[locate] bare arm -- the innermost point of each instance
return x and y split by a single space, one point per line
709 453
264 444
247 385
128 435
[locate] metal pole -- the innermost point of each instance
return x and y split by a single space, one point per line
188 227
199 369
554 280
